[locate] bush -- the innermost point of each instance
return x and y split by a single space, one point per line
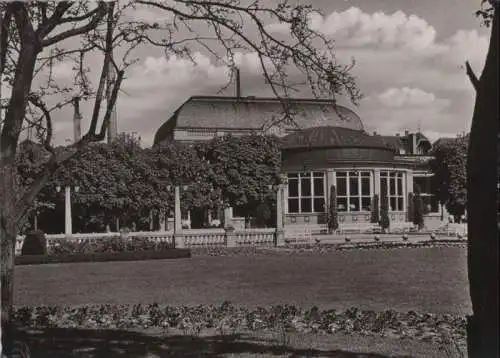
418 209
384 213
107 245
34 243
375 218
103 257
333 223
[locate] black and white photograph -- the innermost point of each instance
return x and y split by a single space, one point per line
249 178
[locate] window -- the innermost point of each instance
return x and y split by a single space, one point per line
354 191
392 184
306 192
431 203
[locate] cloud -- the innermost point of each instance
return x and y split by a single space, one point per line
409 97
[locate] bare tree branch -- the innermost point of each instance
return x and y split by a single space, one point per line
48 119
99 15
50 24
104 72
4 37
472 76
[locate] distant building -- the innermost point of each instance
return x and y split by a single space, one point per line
325 145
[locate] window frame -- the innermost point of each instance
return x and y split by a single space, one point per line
398 197
360 174
311 176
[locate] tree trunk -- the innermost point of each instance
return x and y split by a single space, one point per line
482 327
8 232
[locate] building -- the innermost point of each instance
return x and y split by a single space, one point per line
203 117
325 146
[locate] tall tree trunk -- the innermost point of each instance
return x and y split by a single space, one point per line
482 327
8 232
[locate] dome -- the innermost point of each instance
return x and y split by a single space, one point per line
332 137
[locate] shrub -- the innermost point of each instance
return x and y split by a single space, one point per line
410 206
418 209
375 210
34 243
107 245
384 213
333 223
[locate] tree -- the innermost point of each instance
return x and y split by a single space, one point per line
418 208
375 217
449 168
385 222
34 37
333 223
245 169
482 168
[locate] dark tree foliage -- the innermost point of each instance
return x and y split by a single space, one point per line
450 179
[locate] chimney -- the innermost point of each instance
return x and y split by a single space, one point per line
406 132
414 143
238 83
77 120
374 133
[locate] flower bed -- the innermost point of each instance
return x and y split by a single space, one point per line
229 319
320 248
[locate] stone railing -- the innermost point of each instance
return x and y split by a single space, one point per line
252 237
202 238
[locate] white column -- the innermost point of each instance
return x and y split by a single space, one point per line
68 216
162 218
376 182
228 216
330 180
177 211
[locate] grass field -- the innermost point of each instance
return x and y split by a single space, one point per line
419 279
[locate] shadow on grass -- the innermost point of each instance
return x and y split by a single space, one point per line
69 343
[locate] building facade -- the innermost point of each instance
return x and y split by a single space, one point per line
324 146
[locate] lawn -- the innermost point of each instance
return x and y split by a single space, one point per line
419 279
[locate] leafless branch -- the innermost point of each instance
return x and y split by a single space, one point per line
472 76
104 72
94 21
48 120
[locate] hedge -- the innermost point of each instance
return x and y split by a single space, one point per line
103 257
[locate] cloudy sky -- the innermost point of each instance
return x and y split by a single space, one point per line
409 65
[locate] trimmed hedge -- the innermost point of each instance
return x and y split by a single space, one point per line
103 257
228 319
106 245
34 243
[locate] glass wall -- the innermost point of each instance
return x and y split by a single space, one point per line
392 184
354 190
306 192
